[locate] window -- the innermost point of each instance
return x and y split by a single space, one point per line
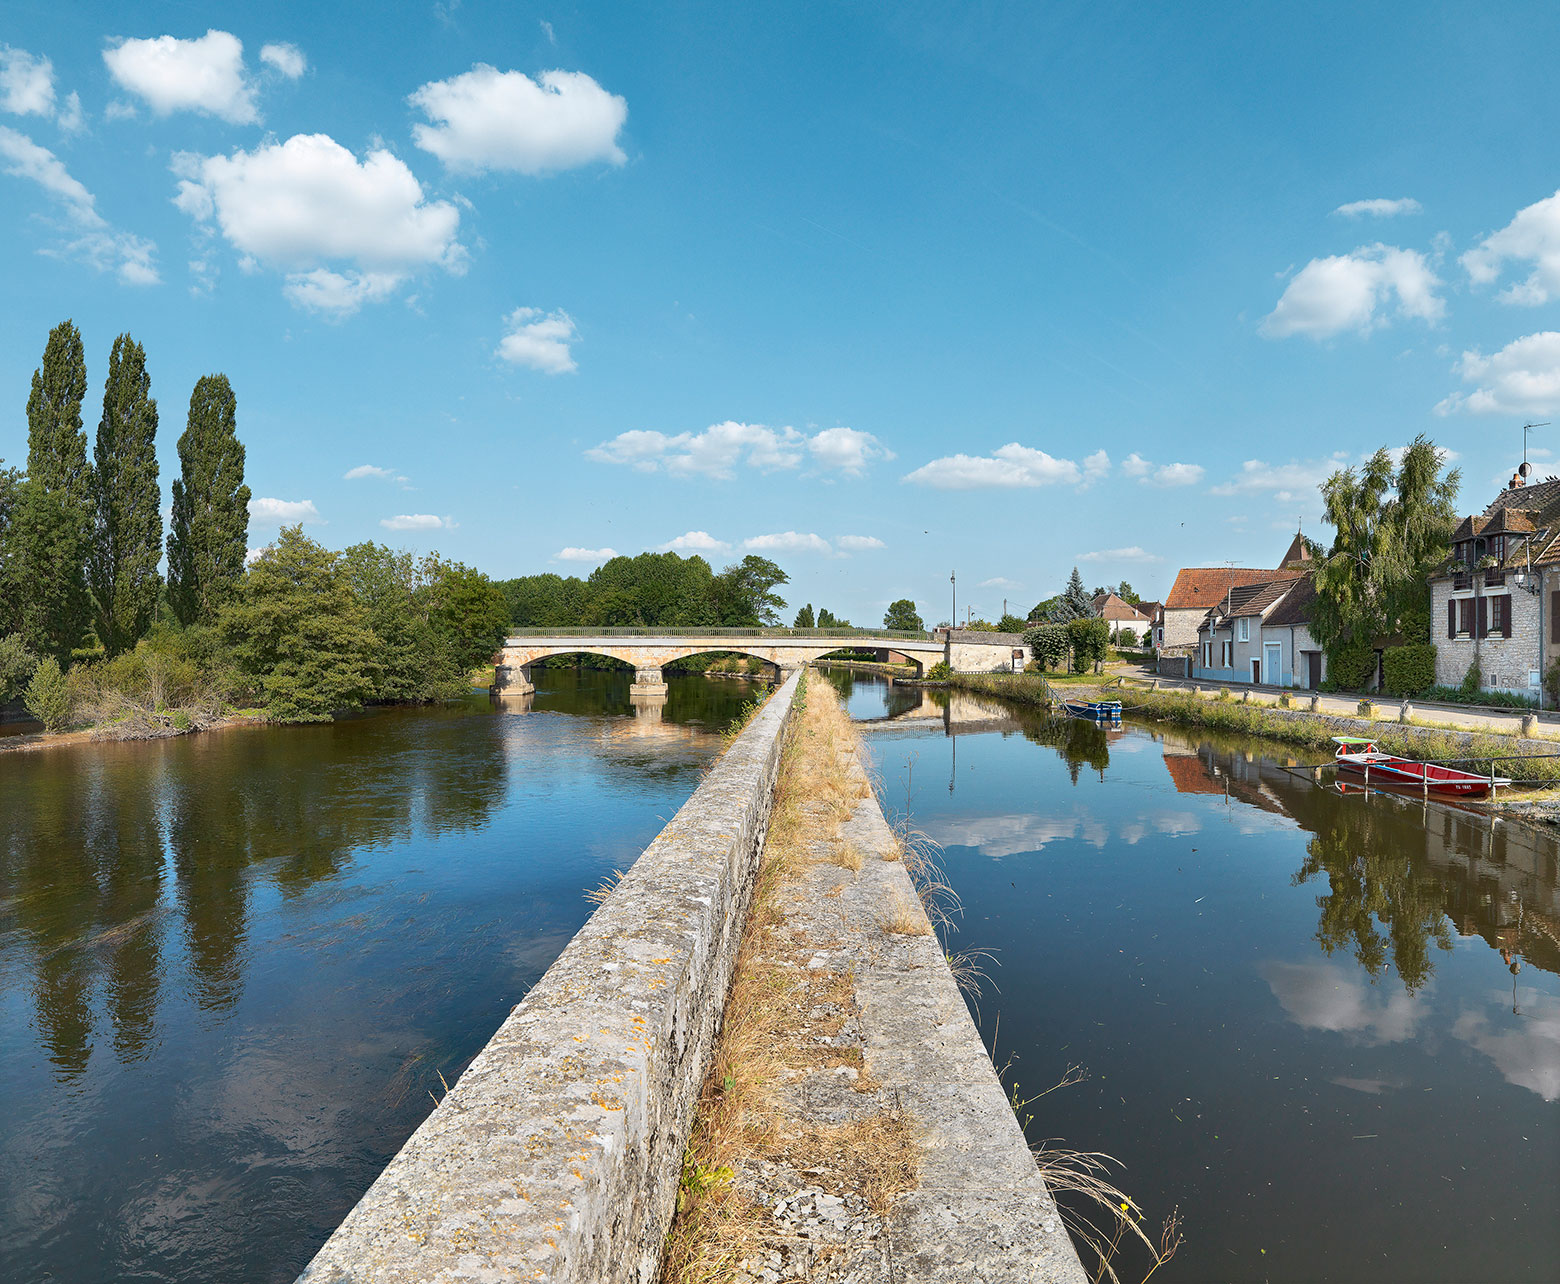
1500 616
1227 656
1243 629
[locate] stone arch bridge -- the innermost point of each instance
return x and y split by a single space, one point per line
648 649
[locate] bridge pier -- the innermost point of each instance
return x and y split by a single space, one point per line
513 680
647 682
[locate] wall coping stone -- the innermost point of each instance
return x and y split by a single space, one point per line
558 1153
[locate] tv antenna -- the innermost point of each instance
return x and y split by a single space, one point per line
1527 428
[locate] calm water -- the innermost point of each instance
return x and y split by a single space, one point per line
1294 1006
234 966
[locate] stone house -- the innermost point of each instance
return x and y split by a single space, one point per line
1198 589
1231 641
1496 599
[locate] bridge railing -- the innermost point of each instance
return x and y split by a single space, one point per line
722 631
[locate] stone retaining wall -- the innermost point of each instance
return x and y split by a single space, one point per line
557 1155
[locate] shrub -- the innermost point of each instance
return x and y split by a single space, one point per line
1408 670
1048 642
1472 681
17 665
1552 680
48 695
1034 666
1127 638
1350 663
1090 639
939 672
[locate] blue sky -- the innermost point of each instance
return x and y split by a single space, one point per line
883 292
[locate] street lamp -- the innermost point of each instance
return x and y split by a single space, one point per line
953 620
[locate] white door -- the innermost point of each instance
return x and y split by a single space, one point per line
1273 663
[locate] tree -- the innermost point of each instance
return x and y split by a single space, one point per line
210 528
1090 641
127 526
1125 592
545 601
902 615
1010 623
415 662
11 580
1049 644
1073 604
467 609
47 696
1393 526
56 442
743 592
1042 609
17 665
804 618
826 619
299 633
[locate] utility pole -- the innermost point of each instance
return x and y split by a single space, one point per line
953 620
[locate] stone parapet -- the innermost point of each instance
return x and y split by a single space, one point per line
557 1155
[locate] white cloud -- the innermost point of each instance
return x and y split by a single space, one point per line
998 581
282 512
204 75
1345 292
1150 474
695 542
1133 553
416 522
90 237
788 542
572 554
285 58
1527 1054
847 449
303 204
1324 996
71 119
1256 475
1380 207
26 83
1522 378
1007 467
859 543
367 470
539 341
486 119
1532 237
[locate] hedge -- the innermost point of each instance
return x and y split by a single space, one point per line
1408 670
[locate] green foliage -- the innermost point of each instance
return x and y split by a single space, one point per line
545 601
1552 681
417 660
1073 603
647 591
902 615
828 620
1125 592
1393 525
1010 623
1042 609
127 530
805 618
980 626
1408 670
1125 637
939 672
17 665
56 442
210 528
1472 681
49 538
47 696
467 609
1500 699
1090 640
299 633
1049 644
1351 662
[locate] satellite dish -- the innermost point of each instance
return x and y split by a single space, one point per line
1526 470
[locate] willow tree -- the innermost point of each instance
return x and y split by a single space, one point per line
210 527
127 528
1394 521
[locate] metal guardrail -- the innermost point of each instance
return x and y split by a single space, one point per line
723 631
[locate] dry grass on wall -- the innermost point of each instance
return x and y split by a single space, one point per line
769 1035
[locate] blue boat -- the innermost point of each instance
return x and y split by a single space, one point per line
1094 710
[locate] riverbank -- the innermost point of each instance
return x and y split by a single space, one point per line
1526 760
110 733
906 672
851 1126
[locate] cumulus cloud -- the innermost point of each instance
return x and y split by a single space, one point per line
416 522
305 204
1380 207
848 450
26 83
1522 378
486 119
367 470
87 236
204 75
286 59
282 512
1008 467
859 543
1352 292
1257 475
1150 474
788 542
1531 239
70 118
572 554
695 542
722 448
1132 553
539 340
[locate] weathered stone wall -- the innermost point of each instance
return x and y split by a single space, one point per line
557 1155
1507 664
976 651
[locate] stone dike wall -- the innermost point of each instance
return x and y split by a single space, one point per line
557 1155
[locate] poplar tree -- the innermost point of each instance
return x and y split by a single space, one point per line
210 527
127 531
52 518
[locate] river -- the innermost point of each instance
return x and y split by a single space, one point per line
1297 1010
237 968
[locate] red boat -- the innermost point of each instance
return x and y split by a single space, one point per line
1360 756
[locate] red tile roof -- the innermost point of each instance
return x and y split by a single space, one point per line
1205 586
